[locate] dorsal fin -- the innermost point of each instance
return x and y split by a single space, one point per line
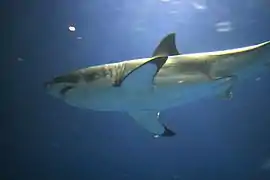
166 46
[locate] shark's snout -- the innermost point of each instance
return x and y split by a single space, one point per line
58 87
47 85
49 88
53 88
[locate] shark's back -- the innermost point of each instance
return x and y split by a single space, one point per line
196 67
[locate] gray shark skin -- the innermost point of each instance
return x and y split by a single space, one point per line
144 87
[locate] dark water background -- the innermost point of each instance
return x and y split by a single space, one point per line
45 139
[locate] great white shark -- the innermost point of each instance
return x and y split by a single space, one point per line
144 87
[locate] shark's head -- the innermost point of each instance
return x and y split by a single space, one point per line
60 86
83 87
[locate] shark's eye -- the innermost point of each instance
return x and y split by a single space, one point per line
65 90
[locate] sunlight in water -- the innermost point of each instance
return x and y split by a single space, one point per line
71 28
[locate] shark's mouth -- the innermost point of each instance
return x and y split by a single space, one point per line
65 90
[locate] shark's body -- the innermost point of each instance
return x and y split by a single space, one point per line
144 87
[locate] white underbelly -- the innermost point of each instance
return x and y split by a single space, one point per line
183 94
117 99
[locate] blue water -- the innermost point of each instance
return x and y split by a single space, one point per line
45 139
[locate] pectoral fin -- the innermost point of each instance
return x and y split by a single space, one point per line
142 77
149 120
